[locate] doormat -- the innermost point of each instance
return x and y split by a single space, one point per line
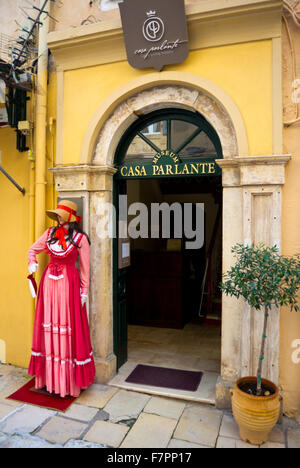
40 397
165 377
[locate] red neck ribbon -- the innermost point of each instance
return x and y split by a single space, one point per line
60 234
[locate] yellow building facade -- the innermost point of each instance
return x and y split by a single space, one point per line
238 77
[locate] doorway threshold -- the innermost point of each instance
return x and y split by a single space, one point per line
206 392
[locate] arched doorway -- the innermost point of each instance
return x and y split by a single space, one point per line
166 158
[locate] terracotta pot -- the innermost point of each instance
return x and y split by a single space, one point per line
255 415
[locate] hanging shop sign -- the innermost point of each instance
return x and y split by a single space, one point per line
168 164
155 32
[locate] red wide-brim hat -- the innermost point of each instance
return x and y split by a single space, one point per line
67 210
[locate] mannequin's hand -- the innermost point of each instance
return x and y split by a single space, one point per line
83 299
32 268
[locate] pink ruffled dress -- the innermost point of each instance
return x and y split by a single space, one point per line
62 357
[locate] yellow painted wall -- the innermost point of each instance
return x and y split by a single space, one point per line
16 304
244 71
15 299
290 321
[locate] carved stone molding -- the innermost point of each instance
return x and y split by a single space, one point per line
83 178
252 212
253 170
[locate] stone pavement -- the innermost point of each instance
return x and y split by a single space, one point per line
107 417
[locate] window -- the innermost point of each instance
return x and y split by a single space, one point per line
185 133
153 129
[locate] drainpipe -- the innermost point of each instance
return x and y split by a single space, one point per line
31 158
31 197
41 125
31 218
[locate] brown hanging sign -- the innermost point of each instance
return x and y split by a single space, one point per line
155 32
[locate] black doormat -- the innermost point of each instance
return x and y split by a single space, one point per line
165 377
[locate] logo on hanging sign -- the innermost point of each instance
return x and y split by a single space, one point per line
153 28
155 32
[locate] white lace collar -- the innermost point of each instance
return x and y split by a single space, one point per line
57 249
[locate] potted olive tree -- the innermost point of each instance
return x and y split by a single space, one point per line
265 279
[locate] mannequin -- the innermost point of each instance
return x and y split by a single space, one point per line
62 358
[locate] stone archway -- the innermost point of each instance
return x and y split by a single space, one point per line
165 89
162 97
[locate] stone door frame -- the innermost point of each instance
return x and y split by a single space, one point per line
252 187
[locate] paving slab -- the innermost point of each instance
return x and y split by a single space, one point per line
59 430
5 410
3 438
175 443
229 428
293 438
73 443
242 444
199 425
126 405
96 395
13 378
5 369
106 433
150 431
229 442
25 419
273 445
12 403
225 442
165 407
27 441
9 384
277 435
14 372
80 412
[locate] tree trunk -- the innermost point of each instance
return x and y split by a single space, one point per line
262 353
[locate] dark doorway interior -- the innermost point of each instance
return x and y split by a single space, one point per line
173 298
